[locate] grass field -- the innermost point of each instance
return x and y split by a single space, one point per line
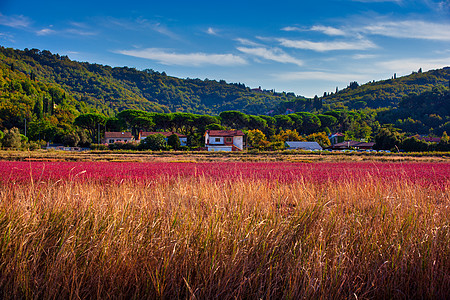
360 230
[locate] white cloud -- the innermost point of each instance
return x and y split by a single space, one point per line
188 59
365 56
70 31
327 46
211 31
247 42
81 32
162 29
292 28
276 54
411 29
328 30
14 21
45 31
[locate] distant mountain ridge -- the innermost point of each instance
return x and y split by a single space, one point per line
110 90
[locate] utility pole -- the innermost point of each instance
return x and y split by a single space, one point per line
25 126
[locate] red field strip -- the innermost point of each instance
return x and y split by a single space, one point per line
435 174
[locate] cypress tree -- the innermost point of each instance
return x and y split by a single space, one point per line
38 109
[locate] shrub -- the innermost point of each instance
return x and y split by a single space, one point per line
154 142
99 147
174 141
12 138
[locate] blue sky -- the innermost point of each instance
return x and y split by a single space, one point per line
305 47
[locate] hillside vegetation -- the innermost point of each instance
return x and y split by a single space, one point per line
111 90
387 93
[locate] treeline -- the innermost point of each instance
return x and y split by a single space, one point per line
263 132
268 129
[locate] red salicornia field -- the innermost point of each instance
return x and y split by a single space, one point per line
428 174
225 230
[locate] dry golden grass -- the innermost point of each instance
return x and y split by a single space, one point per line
202 239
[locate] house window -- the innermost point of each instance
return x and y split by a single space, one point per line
228 140
217 140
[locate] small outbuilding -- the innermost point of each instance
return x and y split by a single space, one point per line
308 146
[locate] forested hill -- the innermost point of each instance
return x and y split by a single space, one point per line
386 93
110 90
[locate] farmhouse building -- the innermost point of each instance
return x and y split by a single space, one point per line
183 138
224 140
112 137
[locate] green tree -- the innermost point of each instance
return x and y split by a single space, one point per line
234 119
387 139
214 127
114 124
71 139
135 119
174 141
12 138
91 122
444 143
162 121
204 121
298 121
320 137
328 121
154 142
38 108
256 138
311 123
284 122
413 144
256 122
288 135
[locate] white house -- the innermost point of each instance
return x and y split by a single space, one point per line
310 146
112 137
224 140
183 138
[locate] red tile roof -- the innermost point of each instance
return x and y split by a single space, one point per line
116 135
225 133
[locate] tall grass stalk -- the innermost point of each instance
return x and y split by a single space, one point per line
198 238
